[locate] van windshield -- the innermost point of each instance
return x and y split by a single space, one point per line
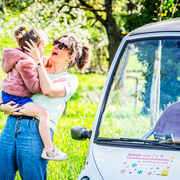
143 101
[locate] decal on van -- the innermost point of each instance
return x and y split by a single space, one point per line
147 164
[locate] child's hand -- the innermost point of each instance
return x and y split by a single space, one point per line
61 79
32 51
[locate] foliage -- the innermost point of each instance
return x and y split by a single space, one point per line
96 22
40 16
100 23
151 11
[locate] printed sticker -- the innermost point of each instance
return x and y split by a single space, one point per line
147 164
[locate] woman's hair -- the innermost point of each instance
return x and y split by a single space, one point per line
22 34
81 53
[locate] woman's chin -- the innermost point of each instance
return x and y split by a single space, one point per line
53 56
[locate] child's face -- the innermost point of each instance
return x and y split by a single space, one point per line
41 48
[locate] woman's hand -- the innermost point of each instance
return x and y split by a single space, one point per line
33 51
11 109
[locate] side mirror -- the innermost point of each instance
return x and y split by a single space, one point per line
80 133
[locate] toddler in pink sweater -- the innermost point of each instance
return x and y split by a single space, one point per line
22 82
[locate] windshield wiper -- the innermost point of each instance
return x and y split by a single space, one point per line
149 142
100 139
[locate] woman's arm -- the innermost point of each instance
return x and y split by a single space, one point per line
48 88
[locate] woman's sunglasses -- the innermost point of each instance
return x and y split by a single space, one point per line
60 44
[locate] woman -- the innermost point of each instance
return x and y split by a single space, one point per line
20 142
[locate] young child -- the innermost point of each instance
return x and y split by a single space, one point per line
22 82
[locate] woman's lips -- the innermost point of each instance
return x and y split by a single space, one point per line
54 53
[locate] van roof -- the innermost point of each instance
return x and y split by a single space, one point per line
170 25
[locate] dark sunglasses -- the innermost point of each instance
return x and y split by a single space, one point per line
60 44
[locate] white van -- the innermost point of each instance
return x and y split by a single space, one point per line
136 131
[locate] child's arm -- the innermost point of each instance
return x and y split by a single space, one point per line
28 71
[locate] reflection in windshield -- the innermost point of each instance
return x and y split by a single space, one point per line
145 84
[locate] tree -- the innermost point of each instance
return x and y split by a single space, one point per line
113 18
102 14
152 11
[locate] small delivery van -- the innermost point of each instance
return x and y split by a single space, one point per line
136 130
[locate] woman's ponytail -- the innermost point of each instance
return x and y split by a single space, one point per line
81 54
84 60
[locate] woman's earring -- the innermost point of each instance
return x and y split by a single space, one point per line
67 63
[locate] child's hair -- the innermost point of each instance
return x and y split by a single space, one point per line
22 34
81 53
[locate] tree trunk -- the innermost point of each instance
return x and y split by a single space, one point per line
114 42
113 32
